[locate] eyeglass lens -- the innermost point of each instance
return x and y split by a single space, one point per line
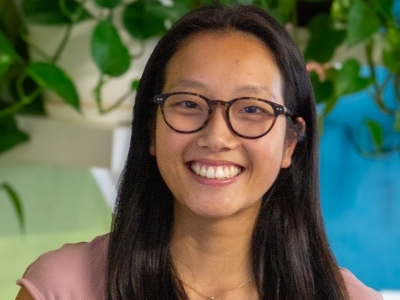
248 117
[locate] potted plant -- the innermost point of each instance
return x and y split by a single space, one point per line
24 80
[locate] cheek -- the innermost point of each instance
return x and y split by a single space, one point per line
168 147
269 153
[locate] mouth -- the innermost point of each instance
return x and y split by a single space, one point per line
215 172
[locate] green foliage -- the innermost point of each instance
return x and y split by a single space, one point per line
108 52
348 80
7 54
7 49
363 22
338 83
323 33
108 3
396 126
5 62
51 77
16 203
351 22
145 19
323 90
391 51
55 12
10 134
376 132
135 84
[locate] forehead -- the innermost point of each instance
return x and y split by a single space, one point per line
229 43
223 58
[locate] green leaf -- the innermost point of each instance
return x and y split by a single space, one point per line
5 62
396 126
10 20
135 84
47 12
322 33
331 75
323 90
10 135
108 52
279 15
7 54
51 77
17 204
362 22
287 6
330 105
391 50
348 80
340 9
383 8
6 48
108 3
144 19
376 132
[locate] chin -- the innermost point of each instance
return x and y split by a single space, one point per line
223 211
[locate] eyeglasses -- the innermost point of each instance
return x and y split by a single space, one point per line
248 117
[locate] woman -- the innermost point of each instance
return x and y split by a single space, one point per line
219 198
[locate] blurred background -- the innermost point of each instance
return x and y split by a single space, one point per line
68 74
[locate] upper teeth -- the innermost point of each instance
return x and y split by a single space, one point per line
220 172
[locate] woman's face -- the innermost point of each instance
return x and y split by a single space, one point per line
221 65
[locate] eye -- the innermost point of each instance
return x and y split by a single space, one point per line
188 104
253 110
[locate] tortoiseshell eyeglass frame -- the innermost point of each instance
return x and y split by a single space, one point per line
278 110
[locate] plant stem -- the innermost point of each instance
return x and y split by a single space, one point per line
61 47
20 87
24 99
377 97
65 9
117 103
396 86
97 93
379 153
12 109
35 48
98 97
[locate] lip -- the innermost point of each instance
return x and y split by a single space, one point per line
215 163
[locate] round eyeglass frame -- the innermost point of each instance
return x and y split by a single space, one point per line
278 110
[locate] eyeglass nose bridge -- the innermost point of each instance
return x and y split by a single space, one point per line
213 103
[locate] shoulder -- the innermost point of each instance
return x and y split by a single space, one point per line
357 290
75 271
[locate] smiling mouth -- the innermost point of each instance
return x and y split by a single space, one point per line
215 172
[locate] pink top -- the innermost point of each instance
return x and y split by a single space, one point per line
76 271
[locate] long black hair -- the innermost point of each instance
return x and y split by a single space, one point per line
291 258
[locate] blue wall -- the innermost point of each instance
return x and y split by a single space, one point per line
361 195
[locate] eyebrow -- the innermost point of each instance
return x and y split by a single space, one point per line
251 88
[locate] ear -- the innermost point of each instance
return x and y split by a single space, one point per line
291 143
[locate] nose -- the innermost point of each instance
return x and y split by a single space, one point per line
216 135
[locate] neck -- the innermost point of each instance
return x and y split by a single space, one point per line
212 255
